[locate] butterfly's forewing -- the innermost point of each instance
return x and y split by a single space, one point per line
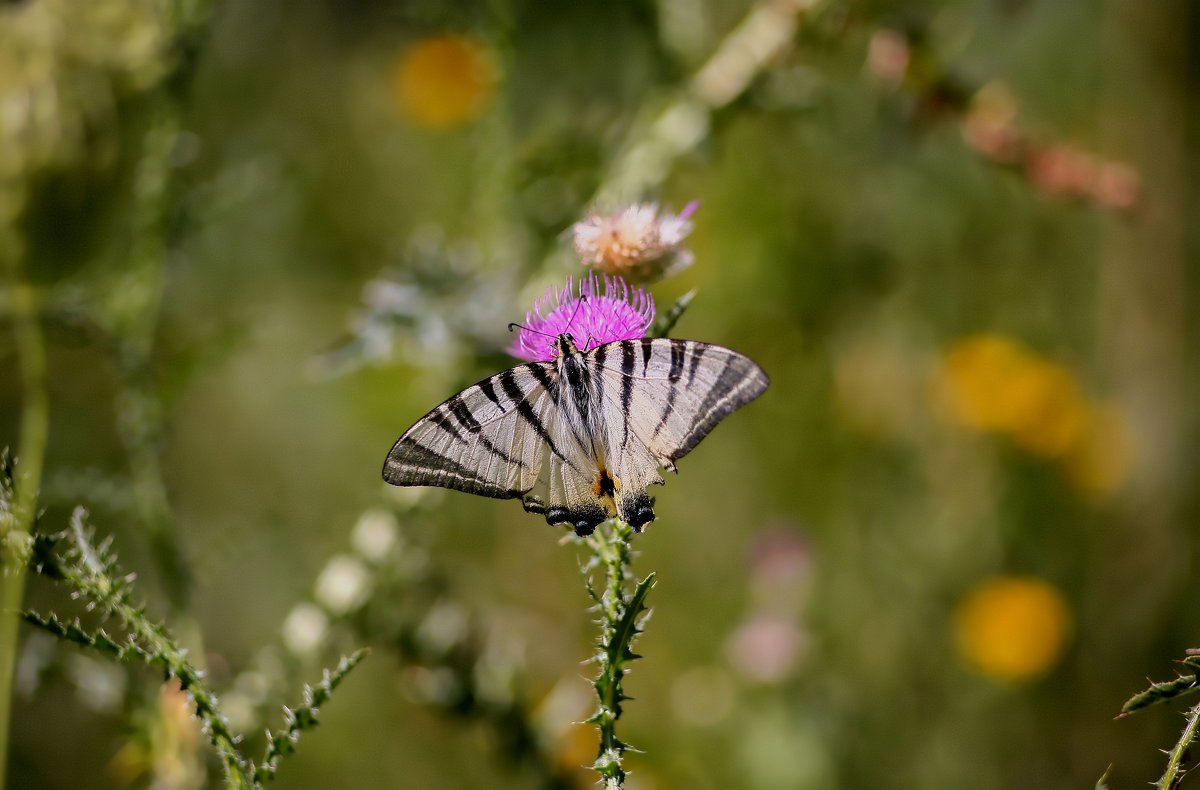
490 439
507 436
671 393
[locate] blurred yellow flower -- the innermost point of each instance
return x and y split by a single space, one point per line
974 376
443 82
1045 412
1012 628
1101 460
989 382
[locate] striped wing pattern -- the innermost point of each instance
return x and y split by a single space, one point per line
673 392
490 439
580 439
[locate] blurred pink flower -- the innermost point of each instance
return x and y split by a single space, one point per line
766 648
592 317
1062 169
780 557
888 56
1117 186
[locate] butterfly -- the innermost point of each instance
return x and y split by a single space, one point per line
578 439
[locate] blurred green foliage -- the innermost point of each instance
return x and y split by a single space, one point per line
950 541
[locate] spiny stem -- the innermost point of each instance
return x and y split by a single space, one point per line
281 744
621 616
93 573
1171 776
15 536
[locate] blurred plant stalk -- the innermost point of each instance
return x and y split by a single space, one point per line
34 429
685 122
149 57
1143 305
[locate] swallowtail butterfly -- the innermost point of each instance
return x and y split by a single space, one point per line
580 438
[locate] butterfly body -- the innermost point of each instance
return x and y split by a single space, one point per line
579 439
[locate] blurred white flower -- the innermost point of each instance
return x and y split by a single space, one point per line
252 686
375 534
305 628
37 651
240 711
101 685
888 56
781 557
430 686
443 627
343 585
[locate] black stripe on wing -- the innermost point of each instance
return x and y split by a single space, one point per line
412 464
739 382
627 367
416 459
550 383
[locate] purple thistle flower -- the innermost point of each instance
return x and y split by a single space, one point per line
593 318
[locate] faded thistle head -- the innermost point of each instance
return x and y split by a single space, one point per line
639 242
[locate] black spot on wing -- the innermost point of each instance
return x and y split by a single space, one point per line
637 510
585 519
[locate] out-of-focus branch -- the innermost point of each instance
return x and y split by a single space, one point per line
988 115
16 526
685 121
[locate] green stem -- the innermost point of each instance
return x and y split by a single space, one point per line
1171 776
140 410
620 618
34 428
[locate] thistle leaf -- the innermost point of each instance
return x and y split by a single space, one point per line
1161 692
666 322
281 744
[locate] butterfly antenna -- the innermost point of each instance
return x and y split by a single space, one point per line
515 325
575 312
